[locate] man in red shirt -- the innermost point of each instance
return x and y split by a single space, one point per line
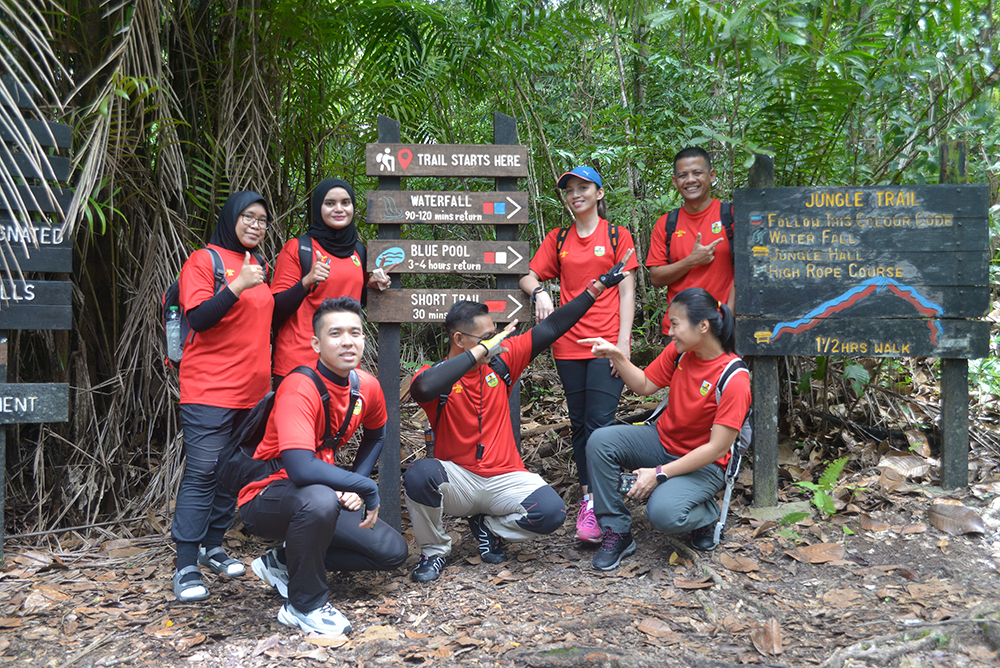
327 515
700 254
477 471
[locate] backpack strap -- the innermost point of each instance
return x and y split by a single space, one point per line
305 253
726 216
333 442
218 270
671 226
738 448
560 240
499 367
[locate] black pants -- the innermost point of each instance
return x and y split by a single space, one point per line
592 395
203 512
319 536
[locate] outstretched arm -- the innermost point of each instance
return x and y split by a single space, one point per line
439 378
563 318
633 376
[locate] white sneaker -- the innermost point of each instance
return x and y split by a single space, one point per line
325 621
272 571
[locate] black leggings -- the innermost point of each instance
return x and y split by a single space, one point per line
319 536
592 395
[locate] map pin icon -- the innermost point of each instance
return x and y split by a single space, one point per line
405 157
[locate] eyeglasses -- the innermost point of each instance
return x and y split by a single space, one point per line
252 221
488 335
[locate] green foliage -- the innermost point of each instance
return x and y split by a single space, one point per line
823 489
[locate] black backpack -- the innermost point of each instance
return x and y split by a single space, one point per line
725 216
171 298
236 467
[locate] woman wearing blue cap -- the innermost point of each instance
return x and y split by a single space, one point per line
572 254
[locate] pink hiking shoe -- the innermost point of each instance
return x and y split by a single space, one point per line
587 528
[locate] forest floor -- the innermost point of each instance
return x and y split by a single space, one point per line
893 578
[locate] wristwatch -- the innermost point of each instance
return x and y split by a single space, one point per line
661 477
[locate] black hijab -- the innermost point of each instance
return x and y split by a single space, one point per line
224 234
339 243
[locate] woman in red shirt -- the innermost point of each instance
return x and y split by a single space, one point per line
337 269
592 386
680 462
225 371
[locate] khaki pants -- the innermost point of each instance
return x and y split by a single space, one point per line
517 505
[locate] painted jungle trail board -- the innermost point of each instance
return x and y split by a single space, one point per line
873 271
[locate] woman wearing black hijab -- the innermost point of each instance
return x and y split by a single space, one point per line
327 261
224 373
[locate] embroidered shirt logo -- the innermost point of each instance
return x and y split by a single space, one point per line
492 379
599 251
457 388
356 260
563 254
357 406
680 233
716 227
705 387
230 272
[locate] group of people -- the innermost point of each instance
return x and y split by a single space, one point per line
326 516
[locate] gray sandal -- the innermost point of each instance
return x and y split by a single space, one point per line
220 563
192 590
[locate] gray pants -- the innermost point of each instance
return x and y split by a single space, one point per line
683 503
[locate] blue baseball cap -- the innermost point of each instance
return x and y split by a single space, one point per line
585 173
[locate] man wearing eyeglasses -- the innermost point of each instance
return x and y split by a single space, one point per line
476 471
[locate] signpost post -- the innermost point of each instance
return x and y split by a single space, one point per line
880 271
32 245
506 257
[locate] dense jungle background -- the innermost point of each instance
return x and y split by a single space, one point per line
174 105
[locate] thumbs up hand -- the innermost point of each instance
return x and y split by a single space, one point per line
318 273
251 275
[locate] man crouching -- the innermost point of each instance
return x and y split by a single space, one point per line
326 515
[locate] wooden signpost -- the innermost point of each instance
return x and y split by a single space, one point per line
35 244
879 271
506 257
466 208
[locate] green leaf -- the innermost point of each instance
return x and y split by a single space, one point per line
791 38
832 472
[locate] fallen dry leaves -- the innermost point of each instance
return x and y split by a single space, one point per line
818 553
767 638
955 519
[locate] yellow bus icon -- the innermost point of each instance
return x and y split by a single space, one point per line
760 251
762 336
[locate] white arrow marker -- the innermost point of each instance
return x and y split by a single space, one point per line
519 305
519 257
518 208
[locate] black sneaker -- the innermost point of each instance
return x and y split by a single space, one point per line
490 545
614 546
428 568
703 539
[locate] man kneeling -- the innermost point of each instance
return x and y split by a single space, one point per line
478 472
326 515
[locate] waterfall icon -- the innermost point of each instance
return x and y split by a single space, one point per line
391 210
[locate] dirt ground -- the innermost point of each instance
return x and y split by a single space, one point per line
877 584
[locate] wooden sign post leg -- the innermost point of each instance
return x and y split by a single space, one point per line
388 366
3 442
764 388
954 372
505 132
